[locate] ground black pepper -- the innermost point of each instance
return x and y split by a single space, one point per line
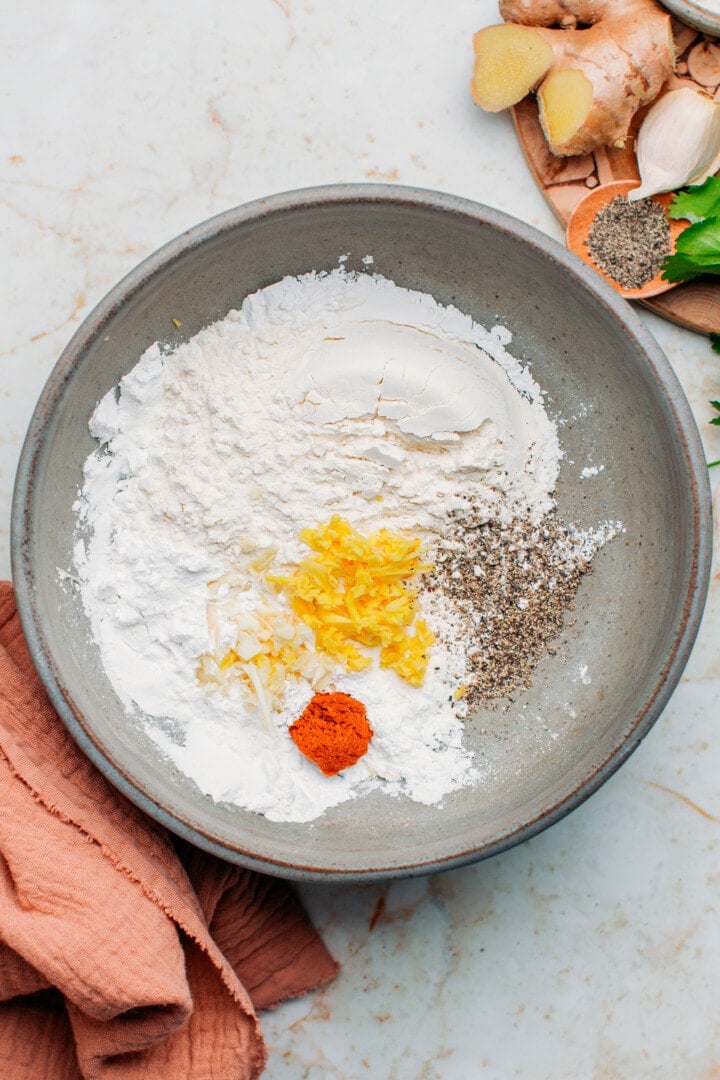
629 241
511 586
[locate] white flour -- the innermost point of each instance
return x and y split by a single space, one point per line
330 394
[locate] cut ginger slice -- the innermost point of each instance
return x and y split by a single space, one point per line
565 100
510 61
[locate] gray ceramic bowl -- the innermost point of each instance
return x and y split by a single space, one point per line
701 14
637 613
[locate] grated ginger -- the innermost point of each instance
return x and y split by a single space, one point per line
352 591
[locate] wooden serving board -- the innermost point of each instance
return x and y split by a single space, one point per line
565 181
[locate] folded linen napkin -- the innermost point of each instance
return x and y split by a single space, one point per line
124 953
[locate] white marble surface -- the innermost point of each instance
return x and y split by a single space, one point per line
593 951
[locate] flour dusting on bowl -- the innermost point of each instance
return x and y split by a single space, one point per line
341 487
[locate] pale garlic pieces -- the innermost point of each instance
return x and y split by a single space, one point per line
678 143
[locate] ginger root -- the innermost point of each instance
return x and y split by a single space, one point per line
591 81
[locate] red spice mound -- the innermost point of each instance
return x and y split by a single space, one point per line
333 731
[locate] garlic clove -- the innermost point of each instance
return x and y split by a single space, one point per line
700 178
678 143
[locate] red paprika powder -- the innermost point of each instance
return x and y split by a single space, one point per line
332 731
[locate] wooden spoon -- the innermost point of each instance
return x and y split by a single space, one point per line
583 216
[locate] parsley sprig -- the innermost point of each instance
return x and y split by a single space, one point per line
715 339
697 248
715 419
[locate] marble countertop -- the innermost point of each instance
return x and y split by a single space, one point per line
591 952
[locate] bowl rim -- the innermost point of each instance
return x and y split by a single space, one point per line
696 15
336 195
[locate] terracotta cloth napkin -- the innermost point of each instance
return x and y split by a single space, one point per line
123 954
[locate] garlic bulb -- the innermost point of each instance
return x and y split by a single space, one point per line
678 143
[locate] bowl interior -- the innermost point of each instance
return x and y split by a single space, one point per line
618 406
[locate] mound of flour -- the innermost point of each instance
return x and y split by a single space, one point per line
323 394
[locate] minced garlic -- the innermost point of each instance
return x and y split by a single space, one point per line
268 644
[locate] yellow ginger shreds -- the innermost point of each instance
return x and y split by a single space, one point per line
408 655
352 591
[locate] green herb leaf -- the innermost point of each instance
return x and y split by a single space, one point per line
716 406
698 202
715 341
697 251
